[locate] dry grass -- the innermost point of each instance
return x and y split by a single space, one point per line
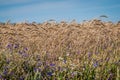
76 41
51 37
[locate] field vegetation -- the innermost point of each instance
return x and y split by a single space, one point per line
60 51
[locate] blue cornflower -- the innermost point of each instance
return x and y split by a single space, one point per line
52 64
5 72
49 73
95 64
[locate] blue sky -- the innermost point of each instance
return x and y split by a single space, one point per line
43 10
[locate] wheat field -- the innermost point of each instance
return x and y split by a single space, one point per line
88 50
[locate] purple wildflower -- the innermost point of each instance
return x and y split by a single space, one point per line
95 64
5 72
52 64
37 69
89 54
25 55
49 73
65 61
16 46
21 78
110 76
0 76
39 64
9 46
26 49
11 73
46 67
74 74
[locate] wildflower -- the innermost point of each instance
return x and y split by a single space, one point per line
5 72
39 64
16 46
95 64
38 58
74 73
49 73
11 73
21 78
52 64
26 49
89 54
9 46
37 70
110 76
0 76
25 55
65 61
